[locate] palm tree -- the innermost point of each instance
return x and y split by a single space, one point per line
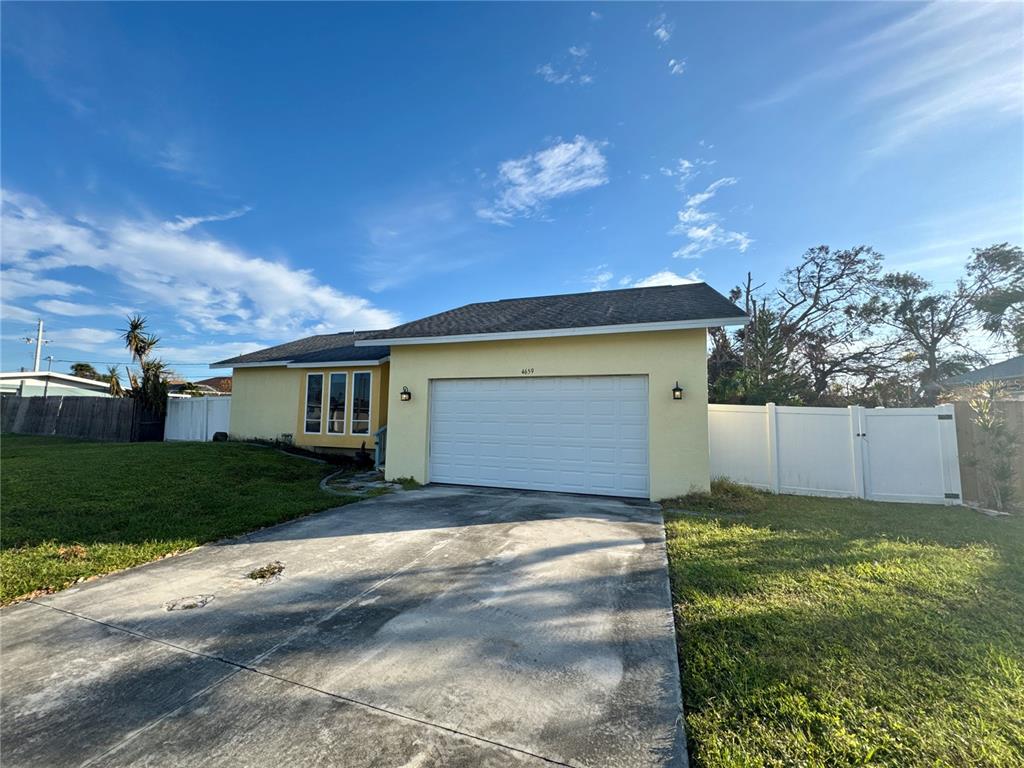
138 342
152 389
115 390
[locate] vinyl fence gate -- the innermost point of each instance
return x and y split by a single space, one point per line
196 418
884 454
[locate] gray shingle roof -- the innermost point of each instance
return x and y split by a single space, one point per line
671 303
1008 369
331 347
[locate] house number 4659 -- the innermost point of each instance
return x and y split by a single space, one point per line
527 371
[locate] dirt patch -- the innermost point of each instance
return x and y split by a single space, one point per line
268 571
72 552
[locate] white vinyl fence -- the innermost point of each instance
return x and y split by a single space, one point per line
886 454
196 418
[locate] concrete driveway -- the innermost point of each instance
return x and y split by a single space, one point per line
441 627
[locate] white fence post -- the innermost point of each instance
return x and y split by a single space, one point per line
950 454
773 446
857 449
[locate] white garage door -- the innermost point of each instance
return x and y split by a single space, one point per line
581 434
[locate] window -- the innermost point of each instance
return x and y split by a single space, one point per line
361 403
336 404
314 401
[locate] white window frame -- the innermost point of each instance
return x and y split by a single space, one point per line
348 400
305 404
369 410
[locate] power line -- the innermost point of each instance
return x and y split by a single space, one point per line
121 362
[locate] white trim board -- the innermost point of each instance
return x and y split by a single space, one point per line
272 364
592 330
287 364
305 403
339 364
369 407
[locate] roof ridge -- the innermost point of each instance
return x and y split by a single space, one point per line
563 296
591 293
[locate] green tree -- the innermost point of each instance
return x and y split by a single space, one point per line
114 379
151 388
85 371
998 272
809 338
137 340
995 455
934 326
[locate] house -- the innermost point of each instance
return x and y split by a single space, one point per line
1009 373
600 393
321 392
50 384
221 384
184 388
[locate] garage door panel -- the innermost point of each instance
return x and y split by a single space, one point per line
633 457
633 410
628 432
577 434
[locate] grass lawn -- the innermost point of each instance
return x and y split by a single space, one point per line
73 509
821 632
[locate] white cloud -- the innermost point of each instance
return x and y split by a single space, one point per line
211 285
710 237
87 339
21 283
667 277
595 16
700 227
930 67
11 313
676 66
527 184
702 197
549 73
663 29
598 277
74 309
685 170
568 69
185 223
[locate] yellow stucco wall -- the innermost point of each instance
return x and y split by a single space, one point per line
269 402
378 408
264 402
678 430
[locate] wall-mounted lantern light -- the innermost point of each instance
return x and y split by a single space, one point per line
677 392
405 395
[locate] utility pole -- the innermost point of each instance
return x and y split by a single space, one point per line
39 341
49 367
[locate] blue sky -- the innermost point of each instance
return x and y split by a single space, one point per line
245 174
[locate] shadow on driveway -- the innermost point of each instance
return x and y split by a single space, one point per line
438 627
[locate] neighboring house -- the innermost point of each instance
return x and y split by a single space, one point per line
599 393
194 389
321 392
51 384
1009 373
220 384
